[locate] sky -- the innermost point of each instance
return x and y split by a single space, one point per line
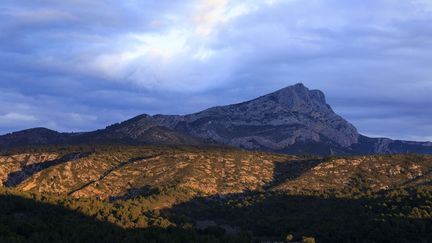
76 65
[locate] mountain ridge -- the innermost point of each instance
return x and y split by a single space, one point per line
293 120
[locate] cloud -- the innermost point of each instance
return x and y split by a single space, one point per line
16 117
81 65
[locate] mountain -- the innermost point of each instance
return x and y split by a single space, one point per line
34 136
274 122
132 132
291 120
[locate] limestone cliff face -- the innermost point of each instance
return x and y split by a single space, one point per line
274 121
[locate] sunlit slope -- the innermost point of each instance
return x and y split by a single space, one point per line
125 172
135 170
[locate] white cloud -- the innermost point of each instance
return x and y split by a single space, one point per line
81 118
16 117
178 57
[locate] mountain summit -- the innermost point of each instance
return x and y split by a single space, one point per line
275 121
291 120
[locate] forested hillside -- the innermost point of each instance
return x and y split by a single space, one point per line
187 194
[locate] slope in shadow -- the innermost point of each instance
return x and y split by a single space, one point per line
290 170
267 219
270 217
15 178
27 220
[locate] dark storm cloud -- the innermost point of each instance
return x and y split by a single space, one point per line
81 65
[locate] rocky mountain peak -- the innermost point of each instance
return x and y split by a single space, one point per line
294 119
276 121
298 97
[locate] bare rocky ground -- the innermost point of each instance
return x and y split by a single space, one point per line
130 171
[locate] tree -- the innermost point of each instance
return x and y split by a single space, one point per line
289 237
308 239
